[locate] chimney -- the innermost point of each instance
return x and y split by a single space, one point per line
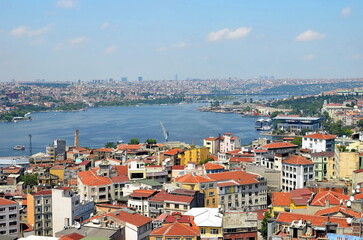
76 138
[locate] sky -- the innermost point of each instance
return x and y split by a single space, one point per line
68 40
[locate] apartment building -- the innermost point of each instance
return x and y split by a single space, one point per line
40 212
319 142
9 218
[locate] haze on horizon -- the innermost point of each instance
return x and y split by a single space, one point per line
67 40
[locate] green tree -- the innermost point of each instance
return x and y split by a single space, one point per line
264 226
206 160
236 103
275 113
29 179
297 141
134 141
110 145
151 141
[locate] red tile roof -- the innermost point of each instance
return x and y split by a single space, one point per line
132 218
279 145
241 159
240 177
321 136
281 199
212 166
90 178
301 196
211 139
225 184
72 236
177 167
4 201
297 160
142 193
174 151
189 178
120 179
176 229
286 217
43 192
334 198
260 150
347 212
104 150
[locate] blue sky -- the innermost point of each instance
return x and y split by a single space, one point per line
67 40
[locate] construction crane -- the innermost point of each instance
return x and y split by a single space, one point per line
165 132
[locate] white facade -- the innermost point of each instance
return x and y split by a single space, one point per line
229 143
295 176
318 144
67 206
141 206
9 218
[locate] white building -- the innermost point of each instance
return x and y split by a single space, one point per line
9 218
319 142
228 142
68 209
296 172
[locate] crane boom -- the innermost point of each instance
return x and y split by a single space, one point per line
165 132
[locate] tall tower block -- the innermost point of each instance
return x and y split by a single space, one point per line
76 138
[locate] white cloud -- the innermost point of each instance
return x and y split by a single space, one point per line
78 40
24 31
111 49
105 25
180 45
309 35
346 11
226 33
309 57
66 3
74 42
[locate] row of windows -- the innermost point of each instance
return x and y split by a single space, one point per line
211 231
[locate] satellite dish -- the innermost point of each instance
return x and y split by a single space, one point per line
349 203
357 187
349 220
91 215
353 191
351 198
78 225
299 223
357 190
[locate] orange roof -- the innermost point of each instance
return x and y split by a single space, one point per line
211 139
142 193
173 151
129 146
72 236
287 218
321 136
90 178
176 229
189 178
167 197
212 166
225 184
339 209
104 150
132 218
297 160
281 199
241 159
4 201
279 145
334 198
239 176
260 150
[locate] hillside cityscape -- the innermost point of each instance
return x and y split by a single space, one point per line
181 120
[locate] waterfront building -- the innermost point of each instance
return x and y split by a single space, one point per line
9 218
296 124
296 172
319 142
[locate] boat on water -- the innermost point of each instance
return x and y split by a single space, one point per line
263 124
19 147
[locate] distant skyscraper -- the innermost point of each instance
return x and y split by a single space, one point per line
176 77
139 79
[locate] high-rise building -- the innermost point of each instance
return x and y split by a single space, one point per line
124 79
139 79
9 218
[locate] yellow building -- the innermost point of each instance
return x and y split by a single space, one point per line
193 155
345 163
295 201
58 171
205 185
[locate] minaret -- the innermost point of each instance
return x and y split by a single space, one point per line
76 138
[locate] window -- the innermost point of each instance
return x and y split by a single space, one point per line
202 231
214 231
168 205
176 205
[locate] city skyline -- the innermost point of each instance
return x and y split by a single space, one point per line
67 40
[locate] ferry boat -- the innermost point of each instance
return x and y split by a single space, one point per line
19 147
263 124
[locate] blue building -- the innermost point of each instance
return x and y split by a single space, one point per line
296 124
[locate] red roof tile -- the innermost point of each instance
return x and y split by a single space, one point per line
173 152
4 201
347 212
225 184
212 166
279 145
176 229
72 236
43 192
104 150
321 136
334 198
142 193
240 177
287 218
132 218
297 160
90 178
281 199
189 178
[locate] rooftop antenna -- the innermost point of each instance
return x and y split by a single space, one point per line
30 145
